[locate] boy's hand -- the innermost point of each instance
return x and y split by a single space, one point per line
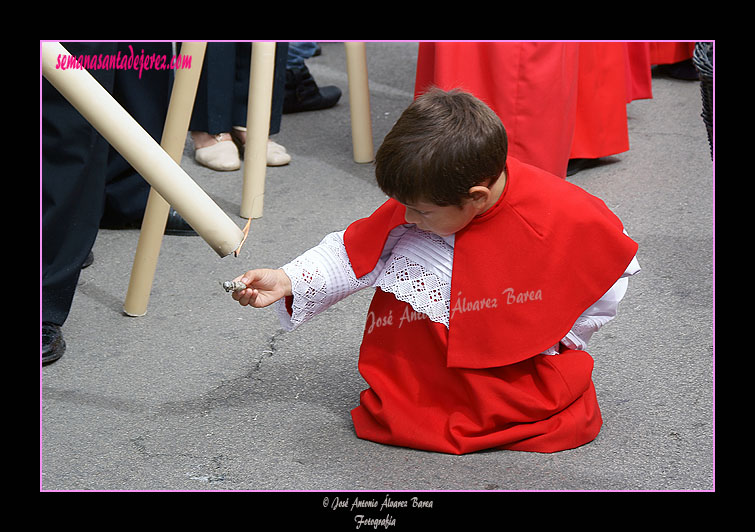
264 287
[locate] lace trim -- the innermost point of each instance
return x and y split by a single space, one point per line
419 273
415 268
412 283
320 278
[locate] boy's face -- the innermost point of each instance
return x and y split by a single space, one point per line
441 220
447 220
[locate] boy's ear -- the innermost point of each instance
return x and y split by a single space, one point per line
479 194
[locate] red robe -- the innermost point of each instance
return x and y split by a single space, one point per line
531 86
480 383
600 127
639 78
557 100
666 53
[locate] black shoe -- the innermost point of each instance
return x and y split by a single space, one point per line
303 94
576 165
176 225
53 345
684 70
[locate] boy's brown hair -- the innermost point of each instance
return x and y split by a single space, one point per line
443 144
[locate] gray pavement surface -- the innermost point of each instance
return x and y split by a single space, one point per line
202 394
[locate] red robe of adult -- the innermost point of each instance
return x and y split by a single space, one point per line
666 53
557 100
531 86
523 272
600 126
639 78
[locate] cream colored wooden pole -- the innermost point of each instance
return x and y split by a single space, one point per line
257 128
359 102
147 157
157 210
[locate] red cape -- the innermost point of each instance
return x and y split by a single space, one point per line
523 271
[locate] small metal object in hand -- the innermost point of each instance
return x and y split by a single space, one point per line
233 286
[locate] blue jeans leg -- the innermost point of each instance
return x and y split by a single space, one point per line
298 52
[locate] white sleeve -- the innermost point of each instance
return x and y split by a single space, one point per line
601 312
320 278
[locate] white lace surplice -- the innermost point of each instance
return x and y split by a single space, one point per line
416 268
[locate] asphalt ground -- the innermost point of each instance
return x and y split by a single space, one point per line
201 394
